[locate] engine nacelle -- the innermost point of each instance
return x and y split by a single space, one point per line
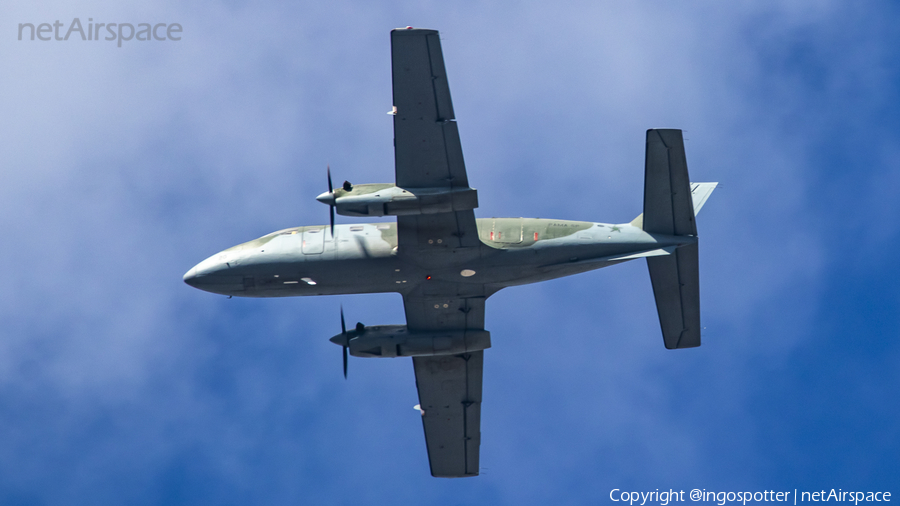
391 200
397 341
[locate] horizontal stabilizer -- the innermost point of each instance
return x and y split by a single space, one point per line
668 205
676 288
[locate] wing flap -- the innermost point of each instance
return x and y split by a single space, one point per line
450 399
424 234
436 311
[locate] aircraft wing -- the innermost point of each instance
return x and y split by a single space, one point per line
427 150
426 141
449 385
428 154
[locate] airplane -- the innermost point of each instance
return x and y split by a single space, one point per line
446 263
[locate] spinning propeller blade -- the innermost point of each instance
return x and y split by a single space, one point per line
331 209
344 331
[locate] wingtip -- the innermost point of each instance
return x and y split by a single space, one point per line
409 30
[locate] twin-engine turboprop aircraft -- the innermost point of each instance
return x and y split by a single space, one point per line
446 263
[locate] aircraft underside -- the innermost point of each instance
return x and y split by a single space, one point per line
446 263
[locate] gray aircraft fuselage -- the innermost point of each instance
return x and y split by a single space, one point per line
364 258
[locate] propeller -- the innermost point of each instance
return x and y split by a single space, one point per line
329 197
346 337
347 342
331 208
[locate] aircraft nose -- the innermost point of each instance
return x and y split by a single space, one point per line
190 277
205 272
326 198
217 274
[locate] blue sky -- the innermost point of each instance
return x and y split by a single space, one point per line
123 167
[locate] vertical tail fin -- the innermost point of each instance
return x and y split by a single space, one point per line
699 193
